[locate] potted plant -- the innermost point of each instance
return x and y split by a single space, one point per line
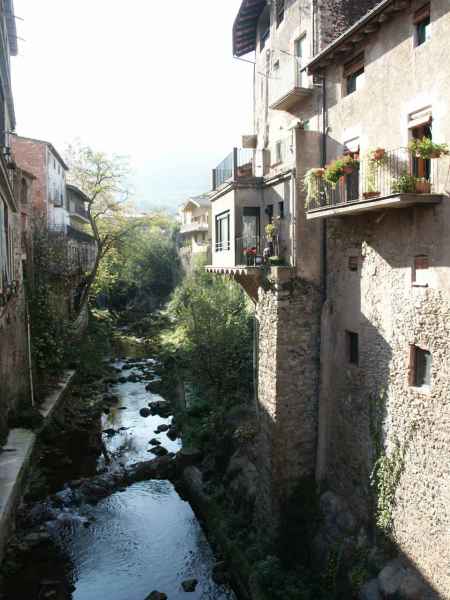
271 231
250 254
338 168
405 184
423 186
375 160
311 185
426 149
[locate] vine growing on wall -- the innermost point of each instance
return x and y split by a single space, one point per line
388 466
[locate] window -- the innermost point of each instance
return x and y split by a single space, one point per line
279 6
278 153
7 245
354 74
269 212
352 341
353 263
300 55
223 231
276 65
264 29
421 167
420 367
422 25
420 270
281 209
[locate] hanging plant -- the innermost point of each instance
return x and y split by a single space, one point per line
427 149
271 231
345 165
311 184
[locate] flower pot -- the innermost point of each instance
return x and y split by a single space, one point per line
368 195
435 155
378 154
423 187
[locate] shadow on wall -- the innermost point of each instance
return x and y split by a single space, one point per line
379 446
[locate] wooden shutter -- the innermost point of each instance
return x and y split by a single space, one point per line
355 65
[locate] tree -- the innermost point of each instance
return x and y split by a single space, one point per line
104 181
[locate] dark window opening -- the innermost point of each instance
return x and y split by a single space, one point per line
280 11
420 269
353 72
223 231
264 29
281 209
421 167
421 361
269 212
422 24
353 263
352 347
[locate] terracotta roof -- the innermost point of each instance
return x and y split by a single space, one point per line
245 26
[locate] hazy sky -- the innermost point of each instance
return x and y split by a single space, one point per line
152 79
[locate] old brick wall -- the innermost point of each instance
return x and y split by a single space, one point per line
335 16
288 315
32 157
380 303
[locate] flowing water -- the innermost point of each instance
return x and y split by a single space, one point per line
146 537
143 537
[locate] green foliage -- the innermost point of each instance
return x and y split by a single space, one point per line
338 168
311 185
405 184
426 149
142 269
214 336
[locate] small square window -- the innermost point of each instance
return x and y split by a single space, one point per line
352 341
354 81
276 65
281 209
353 263
422 24
420 271
420 367
354 74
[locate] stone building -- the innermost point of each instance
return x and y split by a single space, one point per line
194 217
351 282
14 366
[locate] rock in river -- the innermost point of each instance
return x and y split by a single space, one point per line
162 428
155 442
158 451
189 585
157 596
145 412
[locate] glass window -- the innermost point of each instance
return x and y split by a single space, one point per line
421 367
422 24
354 81
223 231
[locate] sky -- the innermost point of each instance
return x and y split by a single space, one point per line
154 80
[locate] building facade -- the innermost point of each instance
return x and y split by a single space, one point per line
194 218
15 387
348 166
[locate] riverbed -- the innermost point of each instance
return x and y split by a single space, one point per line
143 537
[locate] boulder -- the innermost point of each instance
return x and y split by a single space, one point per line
157 596
158 451
145 412
370 591
413 587
189 585
188 456
161 408
110 432
173 433
219 573
162 428
155 442
391 577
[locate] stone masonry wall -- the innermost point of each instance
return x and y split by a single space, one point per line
335 16
288 314
380 303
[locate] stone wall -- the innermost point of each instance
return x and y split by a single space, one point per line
389 313
288 315
335 16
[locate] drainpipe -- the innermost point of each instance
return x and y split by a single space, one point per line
30 364
324 162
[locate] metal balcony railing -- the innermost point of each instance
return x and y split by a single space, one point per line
397 171
238 164
247 249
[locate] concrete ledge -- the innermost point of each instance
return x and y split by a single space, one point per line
16 461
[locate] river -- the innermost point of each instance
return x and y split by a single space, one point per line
143 537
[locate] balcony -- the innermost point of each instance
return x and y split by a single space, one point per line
237 166
289 86
193 227
397 179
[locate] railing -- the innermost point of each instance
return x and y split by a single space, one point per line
223 246
247 249
76 208
394 172
239 163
